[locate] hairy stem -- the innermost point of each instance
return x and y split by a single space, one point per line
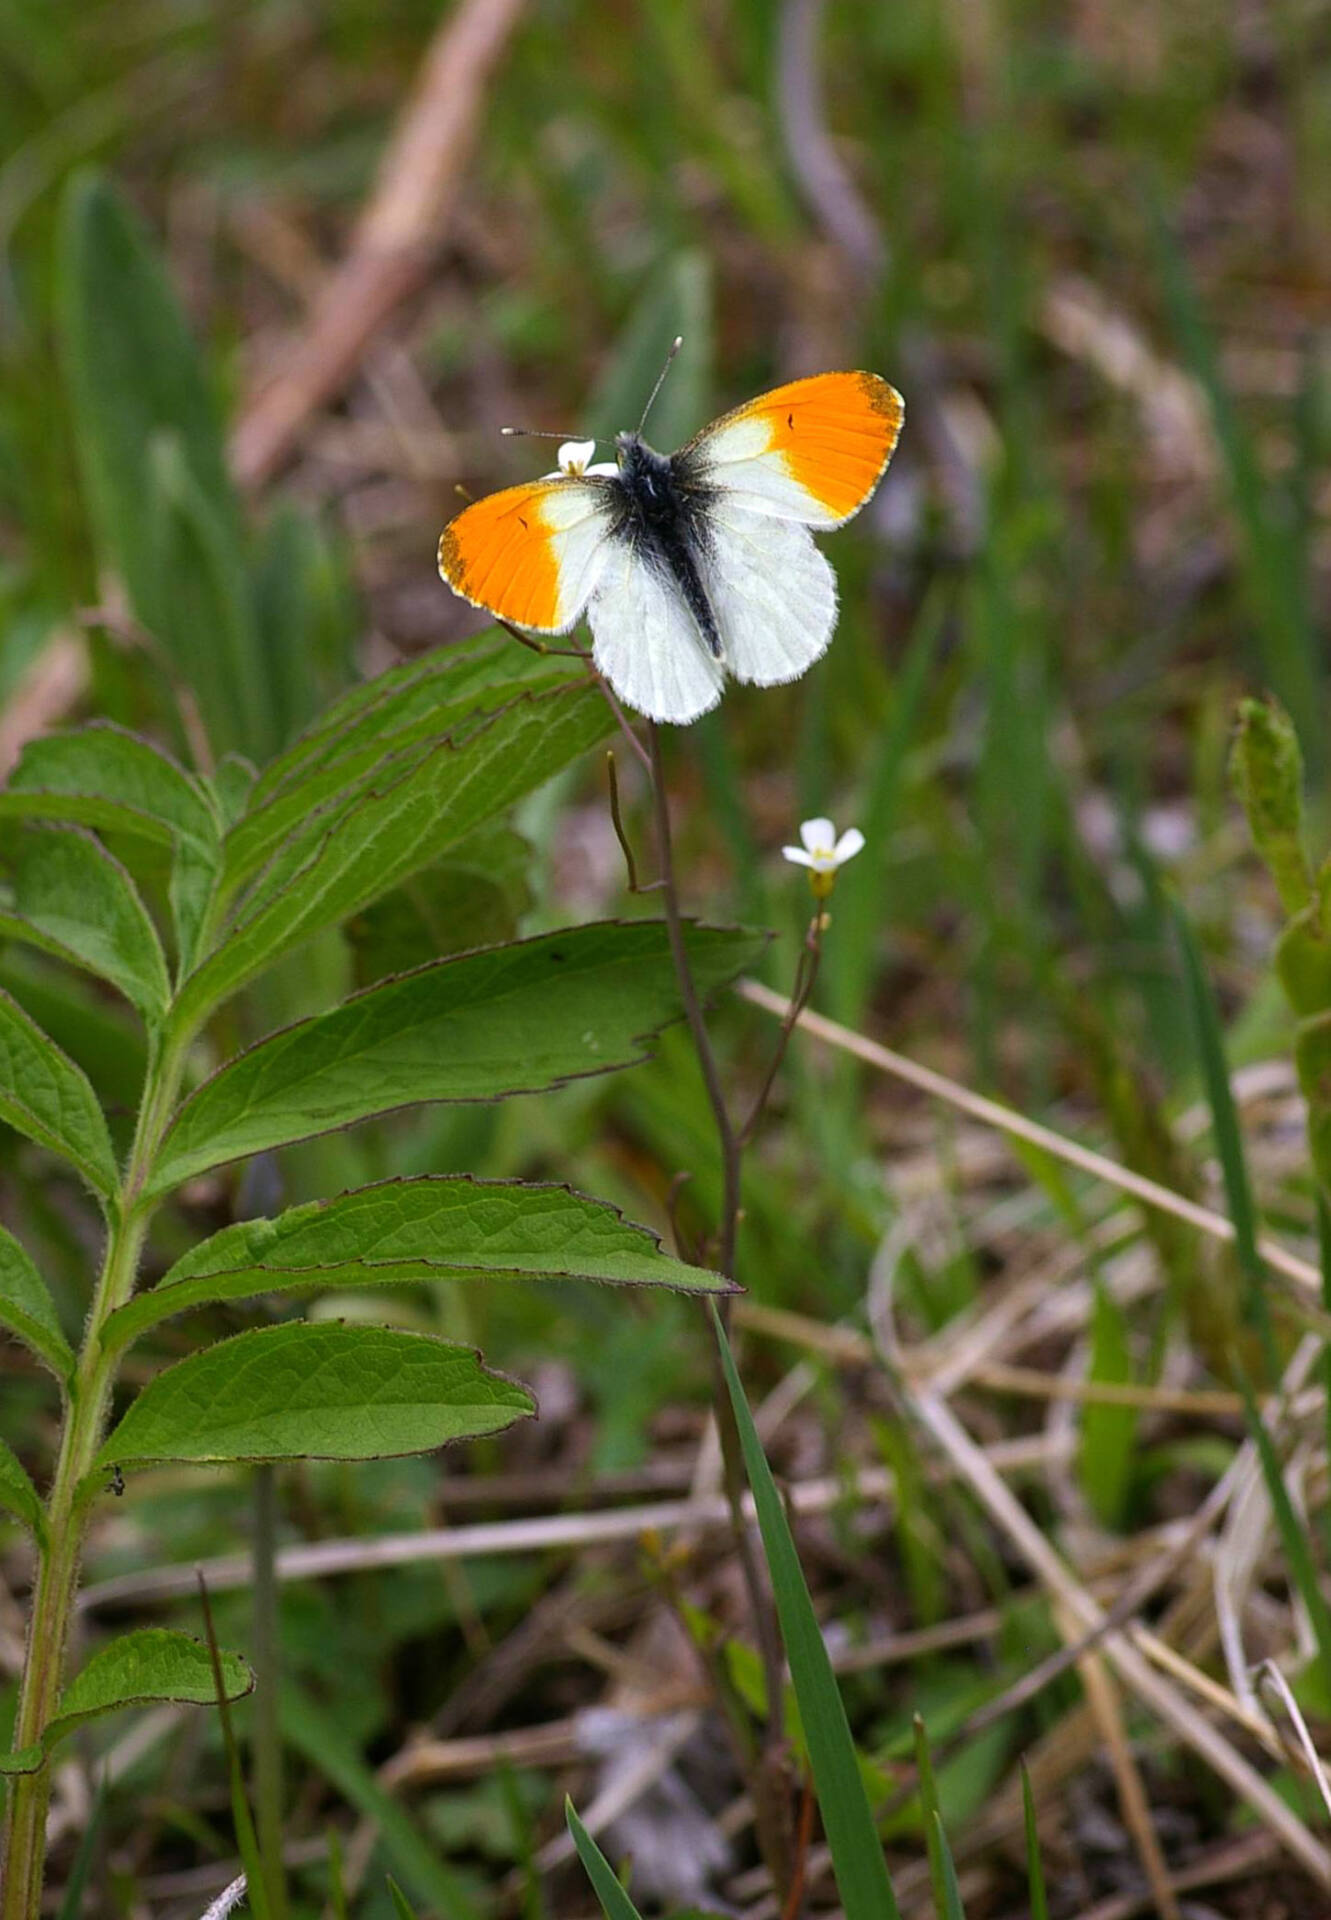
69 1500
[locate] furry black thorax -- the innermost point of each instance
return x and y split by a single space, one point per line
663 515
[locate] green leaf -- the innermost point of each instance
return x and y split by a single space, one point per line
201 606
45 1096
103 776
401 1905
73 891
437 1227
1034 1863
857 1853
27 1309
193 881
473 898
306 612
375 708
18 1495
430 799
133 372
1108 1432
513 1019
420 710
138 1670
1210 1043
301 1391
615 1903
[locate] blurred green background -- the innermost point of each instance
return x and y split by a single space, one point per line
1089 243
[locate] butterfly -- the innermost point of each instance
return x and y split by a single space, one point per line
688 565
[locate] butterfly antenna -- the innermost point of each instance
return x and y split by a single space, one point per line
675 346
545 433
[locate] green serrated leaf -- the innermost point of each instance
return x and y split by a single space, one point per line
140 1669
513 1019
45 1096
18 1495
301 1391
133 372
419 713
436 798
71 889
103 776
28 1310
437 1227
476 675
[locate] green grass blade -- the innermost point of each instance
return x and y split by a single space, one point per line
401 1906
1210 1046
1302 1570
615 1903
246 1839
71 1901
1034 1863
933 1819
950 1907
314 1734
857 1853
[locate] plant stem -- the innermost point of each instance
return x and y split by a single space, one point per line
770 1814
67 1505
267 1671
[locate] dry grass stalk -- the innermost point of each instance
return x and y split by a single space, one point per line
395 240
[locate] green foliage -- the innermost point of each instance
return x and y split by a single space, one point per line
18 1495
305 1391
432 1228
411 809
139 1669
857 1853
28 1310
45 1096
72 890
1108 1432
506 1020
316 1735
615 1903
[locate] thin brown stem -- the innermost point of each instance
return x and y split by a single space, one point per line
729 1144
621 832
770 1812
801 992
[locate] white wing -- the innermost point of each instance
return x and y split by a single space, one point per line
646 643
772 591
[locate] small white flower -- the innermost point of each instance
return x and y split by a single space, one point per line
575 459
822 851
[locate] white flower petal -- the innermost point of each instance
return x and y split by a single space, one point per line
574 455
817 833
848 845
604 466
798 855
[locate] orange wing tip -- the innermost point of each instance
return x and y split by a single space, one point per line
835 434
499 555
